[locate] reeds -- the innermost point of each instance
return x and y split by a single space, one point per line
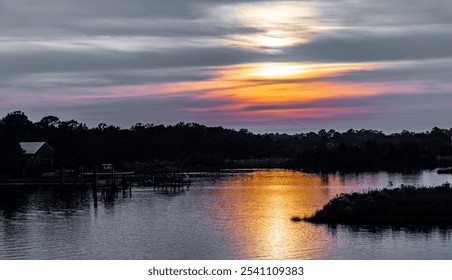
406 205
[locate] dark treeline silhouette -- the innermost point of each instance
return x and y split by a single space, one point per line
359 150
196 146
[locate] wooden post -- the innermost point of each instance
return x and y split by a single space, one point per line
62 175
81 175
95 177
130 185
95 197
113 176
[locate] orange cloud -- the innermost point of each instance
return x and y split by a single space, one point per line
265 91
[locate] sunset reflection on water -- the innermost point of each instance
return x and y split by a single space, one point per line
257 214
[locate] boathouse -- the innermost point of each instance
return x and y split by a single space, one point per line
37 152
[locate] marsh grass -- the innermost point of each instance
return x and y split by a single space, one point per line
406 205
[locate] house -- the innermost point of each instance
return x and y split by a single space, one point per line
37 152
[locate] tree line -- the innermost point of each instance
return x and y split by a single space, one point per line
196 146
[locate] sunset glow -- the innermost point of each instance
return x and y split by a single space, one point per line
279 70
264 65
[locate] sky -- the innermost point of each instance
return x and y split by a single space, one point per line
268 66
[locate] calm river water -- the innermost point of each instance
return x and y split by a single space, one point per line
235 214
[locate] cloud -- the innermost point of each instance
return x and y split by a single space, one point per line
350 46
437 71
42 62
162 60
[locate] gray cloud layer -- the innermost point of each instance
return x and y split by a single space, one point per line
49 45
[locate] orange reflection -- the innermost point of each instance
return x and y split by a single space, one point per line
260 205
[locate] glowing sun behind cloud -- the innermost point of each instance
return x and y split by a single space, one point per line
277 24
278 70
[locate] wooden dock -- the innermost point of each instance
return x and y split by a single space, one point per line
107 181
164 180
99 181
38 182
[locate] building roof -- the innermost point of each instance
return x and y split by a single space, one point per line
31 148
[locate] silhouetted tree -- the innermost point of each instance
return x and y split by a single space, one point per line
196 145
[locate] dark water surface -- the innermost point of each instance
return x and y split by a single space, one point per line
235 214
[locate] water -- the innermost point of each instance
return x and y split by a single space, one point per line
229 215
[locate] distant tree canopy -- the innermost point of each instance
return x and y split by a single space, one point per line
191 144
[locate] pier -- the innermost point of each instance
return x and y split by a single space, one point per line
105 179
108 180
165 181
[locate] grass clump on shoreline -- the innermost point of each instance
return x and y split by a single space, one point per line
406 205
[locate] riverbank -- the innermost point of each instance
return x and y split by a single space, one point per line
406 205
